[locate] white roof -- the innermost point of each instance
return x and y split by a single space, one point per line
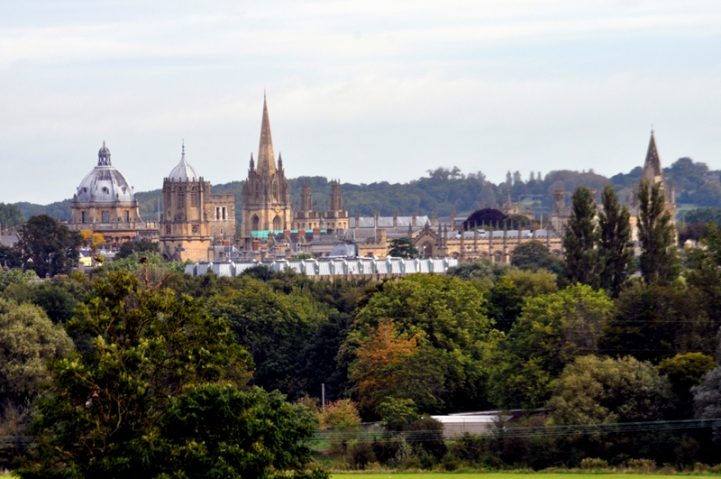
183 171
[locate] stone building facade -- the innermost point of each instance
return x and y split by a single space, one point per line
194 220
105 203
266 193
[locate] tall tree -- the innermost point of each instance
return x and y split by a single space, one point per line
402 248
657 236
51 246
10 216
582 263
615 245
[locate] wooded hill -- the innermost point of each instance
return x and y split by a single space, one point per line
446 189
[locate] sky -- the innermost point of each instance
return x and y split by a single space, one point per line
362 91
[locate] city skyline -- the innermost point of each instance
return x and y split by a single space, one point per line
364 94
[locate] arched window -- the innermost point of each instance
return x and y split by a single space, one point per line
255 223
277 225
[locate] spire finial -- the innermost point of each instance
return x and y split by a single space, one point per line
183 146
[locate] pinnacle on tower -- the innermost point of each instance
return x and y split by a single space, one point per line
266 156
652 167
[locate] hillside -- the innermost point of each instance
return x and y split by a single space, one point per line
444 190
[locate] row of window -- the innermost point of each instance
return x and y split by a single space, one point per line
104 217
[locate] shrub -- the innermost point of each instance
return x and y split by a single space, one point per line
361 454
593 463
641 465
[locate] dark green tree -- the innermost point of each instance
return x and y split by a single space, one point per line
142 246
10 216
534 255
48 247
615 245
402 248
157 388
657 236
582 262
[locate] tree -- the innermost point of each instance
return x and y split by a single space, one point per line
48 247
594 390
10 216
10 257
402 248
158 389
656 236
552 330
29 340
615 245
685 371
534 255
94 239
707 400
582 265
129 247
447 316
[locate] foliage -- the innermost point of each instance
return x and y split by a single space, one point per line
10 216
506 297
703 215
482 271
552 330
139 351
707 400
594 390
655 321
275 328
216 430
704 274
656 236
134 263
685 371
51 246
581 265
94 239
10 257
16 276
341 415
143 247
402 248
533 255
615 245
29 340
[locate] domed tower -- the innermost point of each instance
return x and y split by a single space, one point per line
193 220
266 193
105 203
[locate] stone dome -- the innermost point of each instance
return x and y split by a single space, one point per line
104 184
183 171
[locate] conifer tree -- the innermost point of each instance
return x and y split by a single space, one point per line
582 263
656 235
615 245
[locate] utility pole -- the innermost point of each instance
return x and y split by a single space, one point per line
322 395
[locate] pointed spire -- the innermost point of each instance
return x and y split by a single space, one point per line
252 162
266 156
652 167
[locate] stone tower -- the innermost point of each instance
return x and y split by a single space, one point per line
306 218
193 219
336 218
266 194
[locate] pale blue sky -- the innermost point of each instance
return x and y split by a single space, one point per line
362 91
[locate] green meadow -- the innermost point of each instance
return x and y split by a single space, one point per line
481 475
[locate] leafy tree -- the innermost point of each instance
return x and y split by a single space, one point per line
51 246
481 271
29 340
704 274
16 276
402 248
656 236
552 330
506 297
92 238
341 415
275 328
594 390
129 247
143 353
10 216
615 245
10 257
534 255
707 400
703 215
685 371
387 366
582 265
453 334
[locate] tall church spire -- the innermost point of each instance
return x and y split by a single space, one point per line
652 167
266 156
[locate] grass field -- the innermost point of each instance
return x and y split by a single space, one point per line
489 475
